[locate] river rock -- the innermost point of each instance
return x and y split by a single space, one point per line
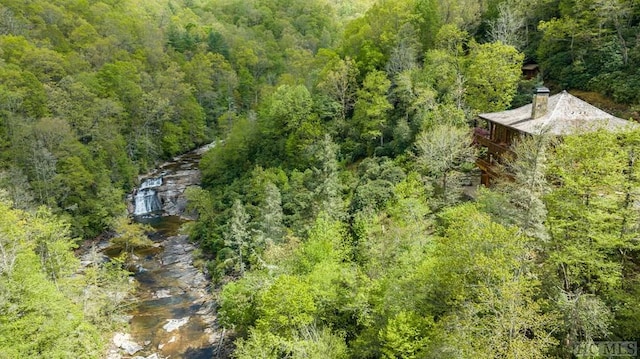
152 356
174 324
162 293
124 342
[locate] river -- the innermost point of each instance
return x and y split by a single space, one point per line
174 313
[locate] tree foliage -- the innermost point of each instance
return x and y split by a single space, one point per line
43 308
331 209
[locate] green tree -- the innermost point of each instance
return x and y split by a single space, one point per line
525 189
285 306
487 290
371 108
238 236
289 123
442 154
339 82
492 75
404 336
328 186
586 222
130 236
37 314
270 227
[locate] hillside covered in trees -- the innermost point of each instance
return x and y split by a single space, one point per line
332 216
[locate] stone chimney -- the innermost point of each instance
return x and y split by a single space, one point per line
540 101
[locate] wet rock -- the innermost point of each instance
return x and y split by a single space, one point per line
174 324
162 293
124 342
140 269
152 356
114 354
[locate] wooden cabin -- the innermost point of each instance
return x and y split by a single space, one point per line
559 115
530 71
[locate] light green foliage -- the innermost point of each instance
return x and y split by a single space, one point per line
104 293
260 344
471 76
585 318
428 21
587 222
395 238
444 65
339 83
325 244
414 96
270 224
38 315
481 275
403 337
371 108
289 121
318 344
509 25
238 301
584 220
328 186
229 159
465 14
16 184
130 236
369 40
285 306
492 75
311 343
53 245
404 55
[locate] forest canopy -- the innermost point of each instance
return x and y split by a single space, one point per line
332 213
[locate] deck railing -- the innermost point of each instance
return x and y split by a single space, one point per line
492 147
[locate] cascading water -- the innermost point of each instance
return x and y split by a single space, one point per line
146 198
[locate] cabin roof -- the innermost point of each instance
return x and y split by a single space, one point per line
565 114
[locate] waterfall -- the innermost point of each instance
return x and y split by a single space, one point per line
146 198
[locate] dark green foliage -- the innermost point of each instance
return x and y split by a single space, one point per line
587 49
375 187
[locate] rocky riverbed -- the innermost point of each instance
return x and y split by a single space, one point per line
174 314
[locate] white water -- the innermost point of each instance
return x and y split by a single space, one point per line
151 183
146 199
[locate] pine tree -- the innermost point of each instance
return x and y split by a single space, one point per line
238 236
270 227
528 186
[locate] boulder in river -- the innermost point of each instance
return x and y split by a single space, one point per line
124 342
174 324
